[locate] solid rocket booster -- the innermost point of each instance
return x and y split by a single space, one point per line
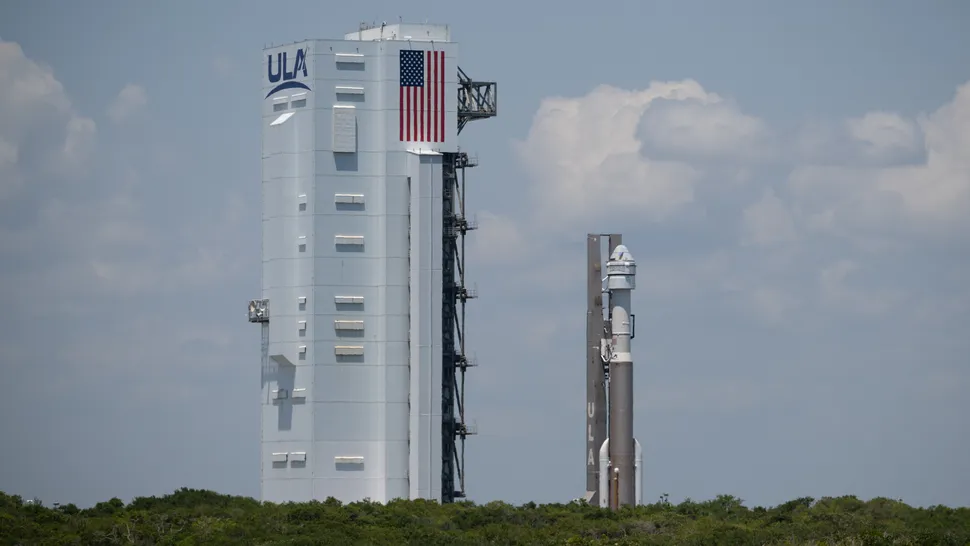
621 272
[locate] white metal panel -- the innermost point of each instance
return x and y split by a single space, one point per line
290 131
397 328
397 300
348 460
396 234
281 119
280 104
372 188
327 294
397 386
326 465
281 197
282 237
371 137
397 457
396 422
374 351
425 331
348 90
344 129
350 166
338 62
299 100
365 226
342 271
347 421
394 352
288 165
397 271
286 273
348 240
355 58
288 420
348 324
348 350
289 332
348 383
348 198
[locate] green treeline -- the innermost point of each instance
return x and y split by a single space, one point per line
194 517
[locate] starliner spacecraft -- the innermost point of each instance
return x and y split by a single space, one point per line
614 458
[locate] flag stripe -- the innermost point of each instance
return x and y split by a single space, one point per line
420 92
427 95
441 90
433 76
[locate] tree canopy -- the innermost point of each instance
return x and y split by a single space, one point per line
198 517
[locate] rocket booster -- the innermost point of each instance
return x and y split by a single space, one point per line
624 456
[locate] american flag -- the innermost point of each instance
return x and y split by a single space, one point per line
422 105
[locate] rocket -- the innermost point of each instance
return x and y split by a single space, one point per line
617 478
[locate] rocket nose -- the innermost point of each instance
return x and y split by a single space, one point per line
621 253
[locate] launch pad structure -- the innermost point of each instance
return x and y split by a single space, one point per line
476 100
362 313
614 458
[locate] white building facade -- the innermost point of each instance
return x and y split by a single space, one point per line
353 132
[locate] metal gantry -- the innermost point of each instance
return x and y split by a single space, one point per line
476 100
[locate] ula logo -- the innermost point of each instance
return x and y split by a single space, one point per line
282 71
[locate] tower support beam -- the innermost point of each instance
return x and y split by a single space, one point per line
449 299
595 378
476 100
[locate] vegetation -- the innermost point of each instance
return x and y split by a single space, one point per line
194 517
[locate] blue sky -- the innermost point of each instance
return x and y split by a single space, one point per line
793 179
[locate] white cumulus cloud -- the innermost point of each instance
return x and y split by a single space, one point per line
884 134
585 158
932 195
706 129
130 100
41 134
767 221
